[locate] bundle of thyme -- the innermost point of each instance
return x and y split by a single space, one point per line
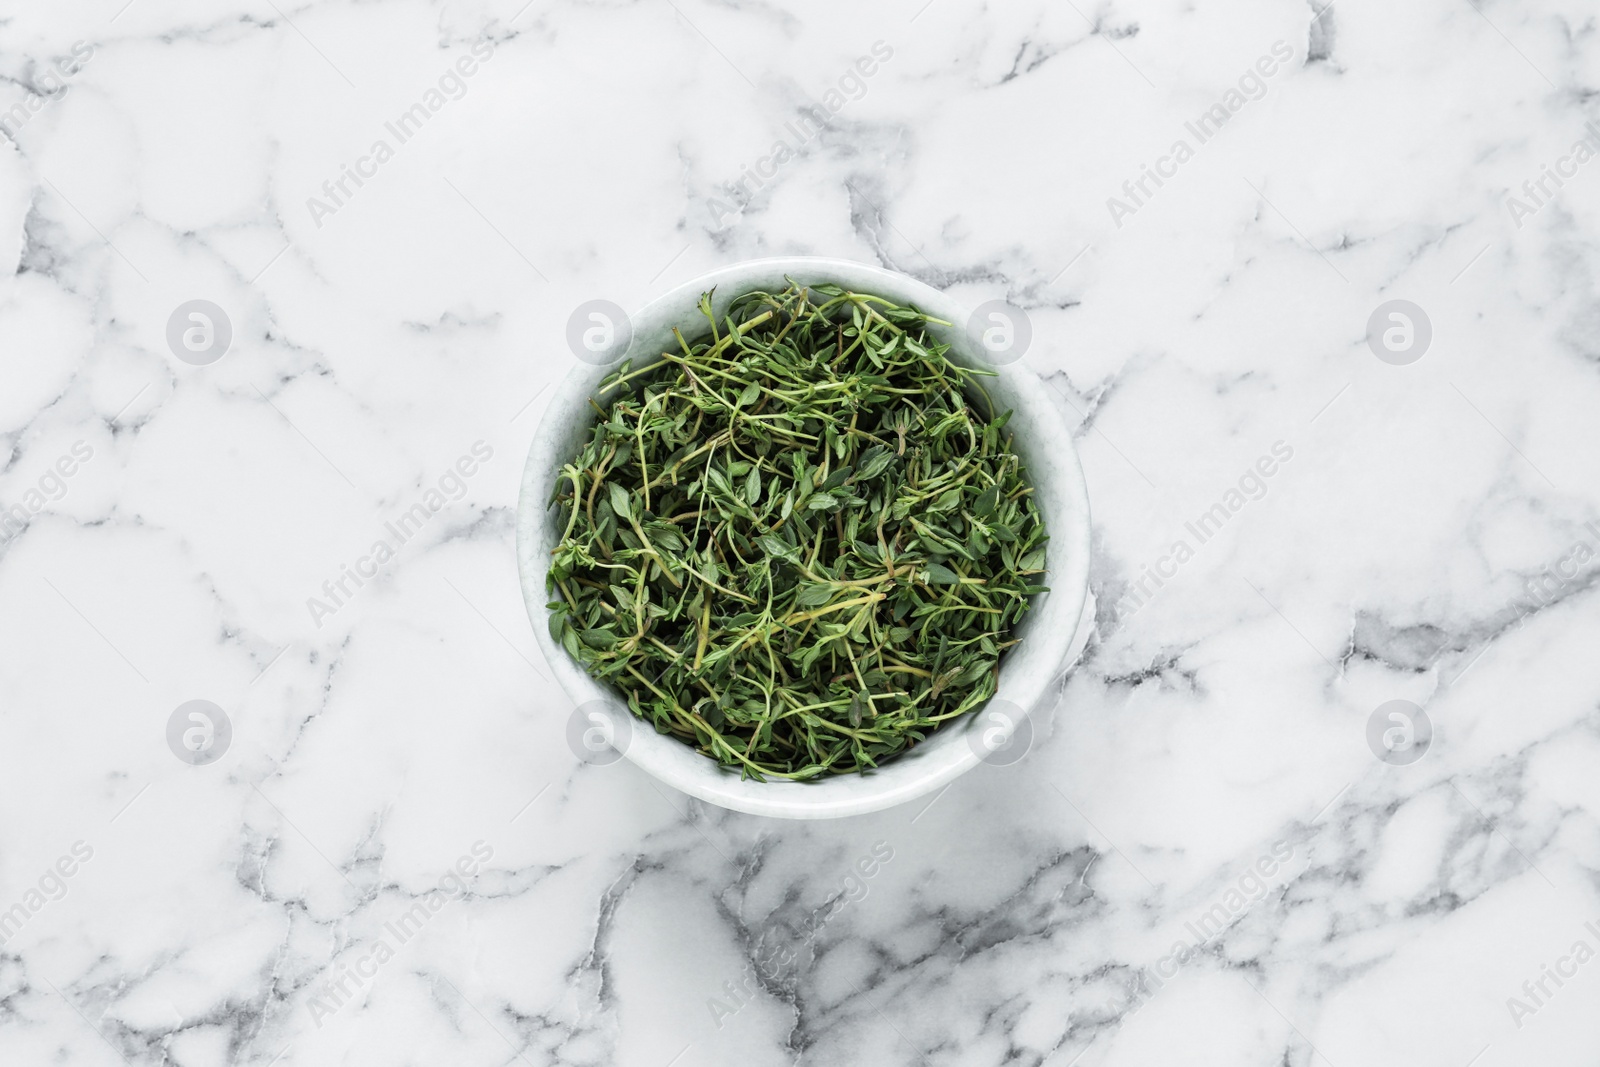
797 543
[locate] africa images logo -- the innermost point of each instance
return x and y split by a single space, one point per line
451 85
452 484
199 732
1251 85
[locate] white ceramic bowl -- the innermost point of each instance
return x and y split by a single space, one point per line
1026 672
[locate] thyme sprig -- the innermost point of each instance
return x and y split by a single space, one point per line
799 542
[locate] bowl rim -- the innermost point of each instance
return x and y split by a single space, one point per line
1049 628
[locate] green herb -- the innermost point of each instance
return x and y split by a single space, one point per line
798 542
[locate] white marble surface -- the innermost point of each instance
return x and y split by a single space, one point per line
1030 914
